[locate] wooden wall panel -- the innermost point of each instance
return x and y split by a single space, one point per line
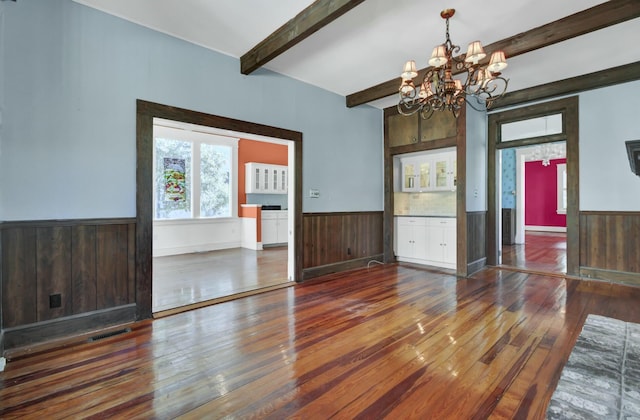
112 265
331 238
40 258
609 241
19 287
83 261
476 239
53 271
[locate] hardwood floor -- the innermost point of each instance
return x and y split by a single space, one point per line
182 280
390 341
542 251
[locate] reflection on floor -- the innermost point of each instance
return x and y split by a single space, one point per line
542 251
180 280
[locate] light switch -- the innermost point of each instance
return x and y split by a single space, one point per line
314 193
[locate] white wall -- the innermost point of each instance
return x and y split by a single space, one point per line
70 79
476 160
609 117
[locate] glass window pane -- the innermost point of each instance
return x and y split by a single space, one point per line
534 127
215 181
172 179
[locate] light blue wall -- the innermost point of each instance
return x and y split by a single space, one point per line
609 118
70 78
508 178
476 125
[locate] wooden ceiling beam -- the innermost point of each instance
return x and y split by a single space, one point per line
598 17
317 15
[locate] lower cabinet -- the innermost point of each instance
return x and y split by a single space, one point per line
426 240
274 227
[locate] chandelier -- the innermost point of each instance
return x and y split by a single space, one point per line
439 91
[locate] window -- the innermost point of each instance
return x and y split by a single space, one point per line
193 174
562 188
533 127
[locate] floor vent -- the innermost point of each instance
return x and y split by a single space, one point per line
109 334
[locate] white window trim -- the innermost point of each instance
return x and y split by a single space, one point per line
197 138
561 169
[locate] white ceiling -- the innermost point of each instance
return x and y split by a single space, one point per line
369 44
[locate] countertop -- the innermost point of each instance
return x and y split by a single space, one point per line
424 215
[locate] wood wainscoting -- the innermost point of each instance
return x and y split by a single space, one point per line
609 246
476 241
62 277
340 241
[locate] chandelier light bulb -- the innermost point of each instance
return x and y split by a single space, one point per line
438 56
409 71
475 53
498 62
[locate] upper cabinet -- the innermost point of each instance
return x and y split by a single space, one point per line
429 172
262 178
406 130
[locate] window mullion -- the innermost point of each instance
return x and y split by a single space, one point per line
195 185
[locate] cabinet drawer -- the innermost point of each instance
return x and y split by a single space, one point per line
411 221
441 221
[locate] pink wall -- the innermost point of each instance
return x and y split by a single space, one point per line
541 194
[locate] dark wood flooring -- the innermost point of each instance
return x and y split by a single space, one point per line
390 341
542 251
183 280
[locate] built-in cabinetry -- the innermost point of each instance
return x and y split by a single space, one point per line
275 227
426 240
262 178
429 172
406 130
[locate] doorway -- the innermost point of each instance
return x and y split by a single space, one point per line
146 112
539 124
532 205
206 244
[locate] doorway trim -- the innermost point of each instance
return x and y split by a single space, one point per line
145 113
568 107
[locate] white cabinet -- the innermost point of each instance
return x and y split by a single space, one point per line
262 178
426 240
411 237
275 227
441 241
429 172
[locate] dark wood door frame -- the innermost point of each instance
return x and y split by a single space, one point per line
568 107
146 112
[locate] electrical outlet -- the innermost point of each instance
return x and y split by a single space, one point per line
314 193
55 300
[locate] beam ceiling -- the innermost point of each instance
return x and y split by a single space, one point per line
601 16
313 18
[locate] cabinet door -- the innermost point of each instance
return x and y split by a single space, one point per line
405 240
420 242
269 231
441 167
434 243
450 242
402 130
283 230
409 175
283 180
425 175
441 125
264 185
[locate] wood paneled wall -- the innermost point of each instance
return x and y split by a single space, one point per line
476 241
610 246
331 239
90 263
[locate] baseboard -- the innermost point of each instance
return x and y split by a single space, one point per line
546 228
477 265
32 334
621 277
191 249
313 272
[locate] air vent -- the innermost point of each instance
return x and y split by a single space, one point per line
109 334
